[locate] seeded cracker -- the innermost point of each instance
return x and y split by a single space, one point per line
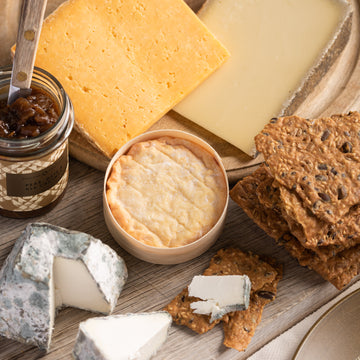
182 314
264 276
240 326
268 193
337 268
314 233
265 208
319 159
244 194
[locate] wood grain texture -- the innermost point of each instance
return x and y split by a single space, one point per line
150 287
337 92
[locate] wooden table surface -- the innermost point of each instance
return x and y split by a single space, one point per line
150 287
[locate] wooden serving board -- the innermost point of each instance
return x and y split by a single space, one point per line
337 92
150 287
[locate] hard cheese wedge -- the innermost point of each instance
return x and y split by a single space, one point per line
124 64
50 267
279 51
122 337
220 294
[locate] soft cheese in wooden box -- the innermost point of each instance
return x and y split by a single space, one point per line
156 254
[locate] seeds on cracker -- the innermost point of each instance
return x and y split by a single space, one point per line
334 263
329 147
264 277
307 194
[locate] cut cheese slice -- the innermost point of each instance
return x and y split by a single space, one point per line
221 294
50 267
279 49
124 64
122 337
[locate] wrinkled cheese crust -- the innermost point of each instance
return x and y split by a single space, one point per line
167 192
124 64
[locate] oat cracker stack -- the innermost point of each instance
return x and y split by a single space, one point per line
307 194
239 326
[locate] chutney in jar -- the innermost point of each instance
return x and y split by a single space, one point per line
34 147
28 116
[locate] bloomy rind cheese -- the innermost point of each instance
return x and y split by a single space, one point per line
27 299
166 192
220 294
125 64
89 347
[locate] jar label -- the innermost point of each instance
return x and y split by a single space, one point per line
36 182
33 184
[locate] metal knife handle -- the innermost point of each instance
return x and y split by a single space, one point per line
31 19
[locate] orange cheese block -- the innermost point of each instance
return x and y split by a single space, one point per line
125 63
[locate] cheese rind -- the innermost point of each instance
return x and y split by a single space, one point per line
221 294
279 49
166 192
122 337
29 293
125 64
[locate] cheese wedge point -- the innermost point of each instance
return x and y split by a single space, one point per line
122 337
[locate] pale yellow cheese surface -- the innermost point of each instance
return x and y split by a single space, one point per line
167 192
126 63
273 44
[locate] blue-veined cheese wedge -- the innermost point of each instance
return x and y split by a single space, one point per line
50 267
220 294
122 337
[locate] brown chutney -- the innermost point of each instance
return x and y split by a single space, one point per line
34 146
28 116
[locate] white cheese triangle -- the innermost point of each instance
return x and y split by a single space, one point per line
122 337
221 294
50 267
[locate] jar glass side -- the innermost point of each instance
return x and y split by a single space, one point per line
34 171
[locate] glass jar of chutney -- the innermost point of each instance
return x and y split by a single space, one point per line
34 167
